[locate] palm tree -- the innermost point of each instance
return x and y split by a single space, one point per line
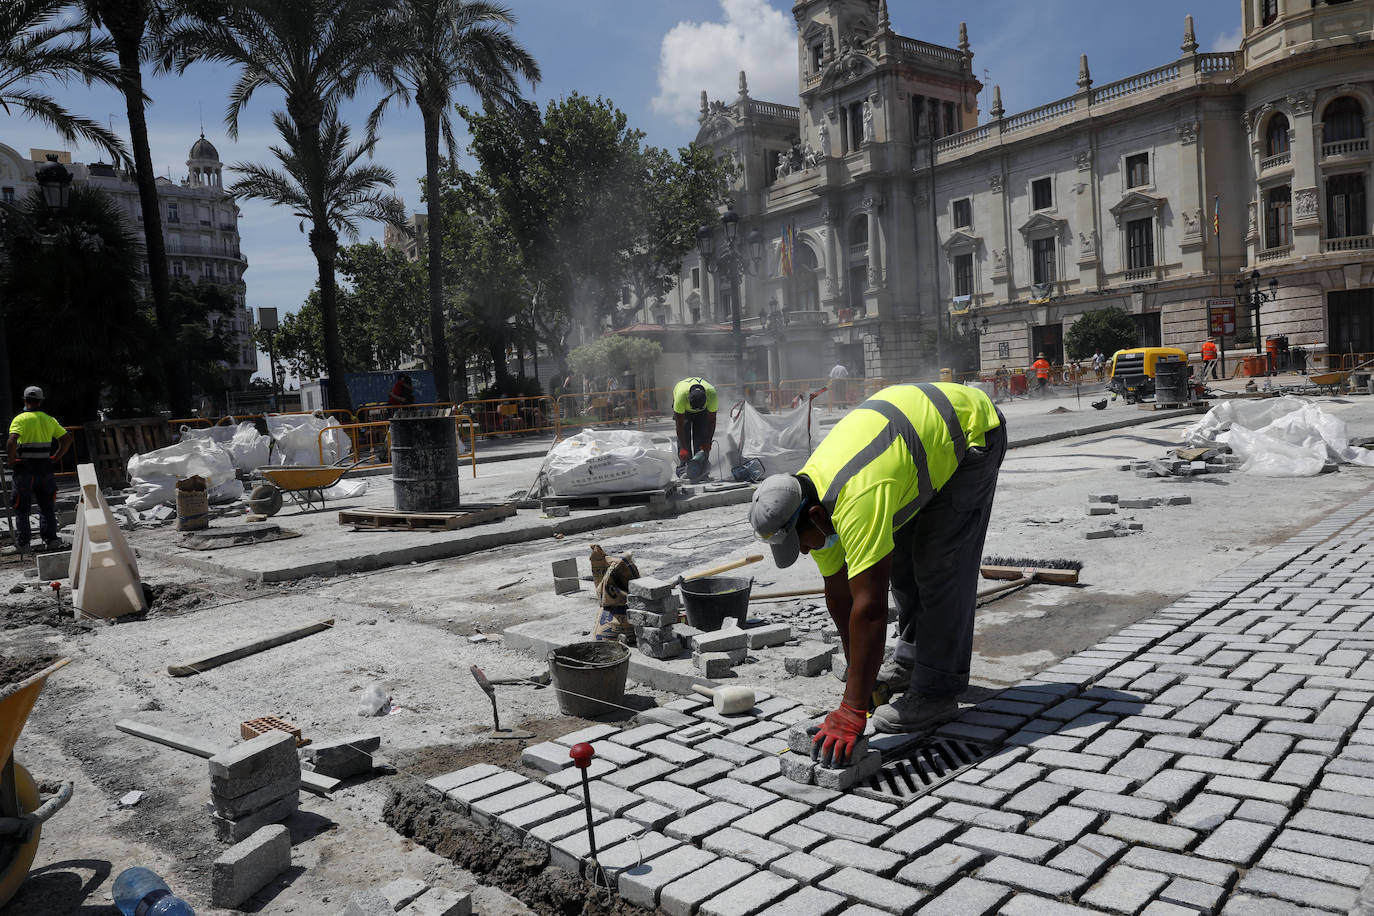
316 52
37 42
132 26
438 46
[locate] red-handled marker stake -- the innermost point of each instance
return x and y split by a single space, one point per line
582 754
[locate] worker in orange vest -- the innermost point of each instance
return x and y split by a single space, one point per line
1209 358
1042 373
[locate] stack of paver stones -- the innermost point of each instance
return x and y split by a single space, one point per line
1217 757
254 784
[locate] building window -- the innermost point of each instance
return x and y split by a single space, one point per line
1269 11
963 213
696 278
172 215
807 279
918 113
177 269
1042 260
1343 120
1278 218
1346 215
858 282
1138 170
8 195
1276 135
951 119
1140 243
963 274
817 56
856 125
1042 196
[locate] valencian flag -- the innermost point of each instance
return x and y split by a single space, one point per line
787 242
1216 215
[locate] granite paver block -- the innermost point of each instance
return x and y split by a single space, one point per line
809 659
635 775
982 817
1089 857
564 780
680 798
1172 787
1183 866
921 836
682 896
343 757
484 809
848 854
940 866
256 800
1206 812
651 815
994 842
232 831
1253 788
246 867
402 891
568 852
768 635
809 901
1038 799
1033 905
1021 874
672 752
1148 833
547 832
745 846
738 754
797 837
712 665
618 754
1236 841
644 847
1317 867
969 897
761 770
842 827
606 797
758 891
704 821
253 764
1193 896
547 757
1124 889
699 773
641 885
751 798
889 896
633 737
590 734
1065 823
1305 891
801 867
842 779
868 809
1264 812
440 901
1331 847
440 785
516 822
1145 808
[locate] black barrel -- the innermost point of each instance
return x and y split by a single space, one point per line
1171 383
424 464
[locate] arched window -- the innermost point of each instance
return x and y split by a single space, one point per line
1343 120
807 280
1276 135
858 235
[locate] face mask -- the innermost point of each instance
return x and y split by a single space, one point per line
830 541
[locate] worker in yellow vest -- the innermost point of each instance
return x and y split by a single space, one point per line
897 495
694 414
32 460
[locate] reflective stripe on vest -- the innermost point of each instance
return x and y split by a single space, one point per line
31 450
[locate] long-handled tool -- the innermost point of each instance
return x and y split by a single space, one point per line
487 687
1019 570
717 570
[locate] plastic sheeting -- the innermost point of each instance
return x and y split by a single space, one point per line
153 475
779 440
247 447
1278 437
608 461
297 439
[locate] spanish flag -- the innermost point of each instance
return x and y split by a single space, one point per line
1216 215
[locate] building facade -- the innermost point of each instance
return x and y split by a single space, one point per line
200 228
899 209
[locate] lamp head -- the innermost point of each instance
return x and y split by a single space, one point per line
706 242
755 245
56 183
731 221
1273 284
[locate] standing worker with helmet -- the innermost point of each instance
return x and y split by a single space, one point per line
1209 358
31 459
694 413
1042 373
898 494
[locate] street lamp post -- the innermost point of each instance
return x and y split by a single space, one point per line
733 263
973 329
1249 290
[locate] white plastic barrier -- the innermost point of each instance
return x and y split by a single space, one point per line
103 570
1278 437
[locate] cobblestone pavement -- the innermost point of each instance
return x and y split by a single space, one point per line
1217 757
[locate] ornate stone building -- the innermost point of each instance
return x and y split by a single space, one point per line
199 227
907 212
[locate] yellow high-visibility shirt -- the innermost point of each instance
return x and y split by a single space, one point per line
680 391
36 431
886 459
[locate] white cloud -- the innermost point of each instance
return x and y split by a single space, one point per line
1228 41
694 56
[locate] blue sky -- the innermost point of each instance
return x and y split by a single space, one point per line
653 57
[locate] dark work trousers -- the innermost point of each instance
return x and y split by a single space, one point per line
696 432
935 561
30 486
1209 367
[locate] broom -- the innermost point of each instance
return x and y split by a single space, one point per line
1023 571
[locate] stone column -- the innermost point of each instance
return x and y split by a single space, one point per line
1306 209
1192 209
1088 240
834 282
873 204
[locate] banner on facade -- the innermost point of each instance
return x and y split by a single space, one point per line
1221 316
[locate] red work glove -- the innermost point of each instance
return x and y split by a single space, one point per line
833 742
682 454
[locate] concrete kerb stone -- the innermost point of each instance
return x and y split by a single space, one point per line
402 892
439 901
253 764
247 867
232 831
344 757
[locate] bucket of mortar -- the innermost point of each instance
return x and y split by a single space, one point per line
710 600
589 677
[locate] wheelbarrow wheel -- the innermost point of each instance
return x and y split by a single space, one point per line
265 499
17 868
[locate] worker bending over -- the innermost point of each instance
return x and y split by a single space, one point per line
31 457
898 494
694 413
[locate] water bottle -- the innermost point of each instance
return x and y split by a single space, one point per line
140 892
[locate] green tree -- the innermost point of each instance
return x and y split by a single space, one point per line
316 52
71 285
1108 329
134 27
439 46
380 309
201 344
590 207
614 355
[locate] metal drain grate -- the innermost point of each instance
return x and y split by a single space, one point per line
921 768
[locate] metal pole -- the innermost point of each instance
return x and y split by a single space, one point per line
272 361
1221 293
735 267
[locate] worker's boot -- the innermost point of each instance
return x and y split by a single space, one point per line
912 712
896 674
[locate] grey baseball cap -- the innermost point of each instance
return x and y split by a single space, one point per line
773 515
33 393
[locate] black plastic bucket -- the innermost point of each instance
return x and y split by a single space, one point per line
424 464
711 601
589 677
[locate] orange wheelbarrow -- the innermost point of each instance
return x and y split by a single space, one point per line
22 811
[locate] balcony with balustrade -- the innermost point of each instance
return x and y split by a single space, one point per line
1348 243
1276 161
1358 148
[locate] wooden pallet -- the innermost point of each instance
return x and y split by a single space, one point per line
656 498
392 520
